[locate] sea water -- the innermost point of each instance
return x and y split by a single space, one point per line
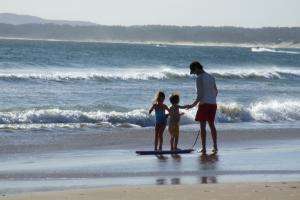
80 85
59 99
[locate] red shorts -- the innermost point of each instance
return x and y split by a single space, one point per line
206 112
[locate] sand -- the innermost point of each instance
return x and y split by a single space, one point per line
53 161
134 139
228 191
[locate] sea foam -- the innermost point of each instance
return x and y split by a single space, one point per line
165 73
262 49
261 111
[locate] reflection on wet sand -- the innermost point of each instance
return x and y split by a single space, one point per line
177 180
207 162
208 179
164 181
162 158
176 157
161 181
209 159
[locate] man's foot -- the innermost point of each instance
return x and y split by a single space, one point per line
215 151
203 151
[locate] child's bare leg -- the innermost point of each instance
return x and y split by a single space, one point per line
171 140
160 141
203 136
160 135
175 142
156 137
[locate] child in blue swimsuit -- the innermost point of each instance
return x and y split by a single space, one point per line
161 119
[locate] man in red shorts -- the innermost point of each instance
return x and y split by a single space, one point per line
207 105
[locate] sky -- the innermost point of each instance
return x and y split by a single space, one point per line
246 13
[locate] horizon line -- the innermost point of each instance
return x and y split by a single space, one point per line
133 25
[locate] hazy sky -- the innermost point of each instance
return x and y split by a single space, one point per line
249 13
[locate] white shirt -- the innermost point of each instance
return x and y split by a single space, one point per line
206 91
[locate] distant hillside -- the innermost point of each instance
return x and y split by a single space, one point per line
36 28
8 18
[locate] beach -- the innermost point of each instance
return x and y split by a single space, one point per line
73 114
108 160
245 191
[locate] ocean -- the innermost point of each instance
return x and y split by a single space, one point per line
55 85
72 114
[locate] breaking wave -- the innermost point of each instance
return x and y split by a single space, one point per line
263 112
147 74
95 74
258 73
262 49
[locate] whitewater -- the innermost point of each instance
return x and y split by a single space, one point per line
47 85
266 112
145 73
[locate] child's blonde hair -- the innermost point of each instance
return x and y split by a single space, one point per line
159 94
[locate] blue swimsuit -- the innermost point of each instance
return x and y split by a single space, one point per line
160 116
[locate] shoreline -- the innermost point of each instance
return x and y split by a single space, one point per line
134 138
162 43
227 191
54 161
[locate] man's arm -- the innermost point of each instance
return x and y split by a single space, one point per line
182 107
199 86
216 89
193 104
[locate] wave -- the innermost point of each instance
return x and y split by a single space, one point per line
257 73
60 116
95 74
146 74
263 111
262 49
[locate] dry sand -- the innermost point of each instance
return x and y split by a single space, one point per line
228 191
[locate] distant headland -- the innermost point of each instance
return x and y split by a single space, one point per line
30 27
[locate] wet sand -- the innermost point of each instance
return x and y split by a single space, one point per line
47 161
244 191
132 139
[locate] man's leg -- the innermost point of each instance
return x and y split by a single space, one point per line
203 136
213 135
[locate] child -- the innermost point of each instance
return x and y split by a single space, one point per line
161 119
174 121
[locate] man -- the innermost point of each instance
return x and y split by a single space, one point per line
206 98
